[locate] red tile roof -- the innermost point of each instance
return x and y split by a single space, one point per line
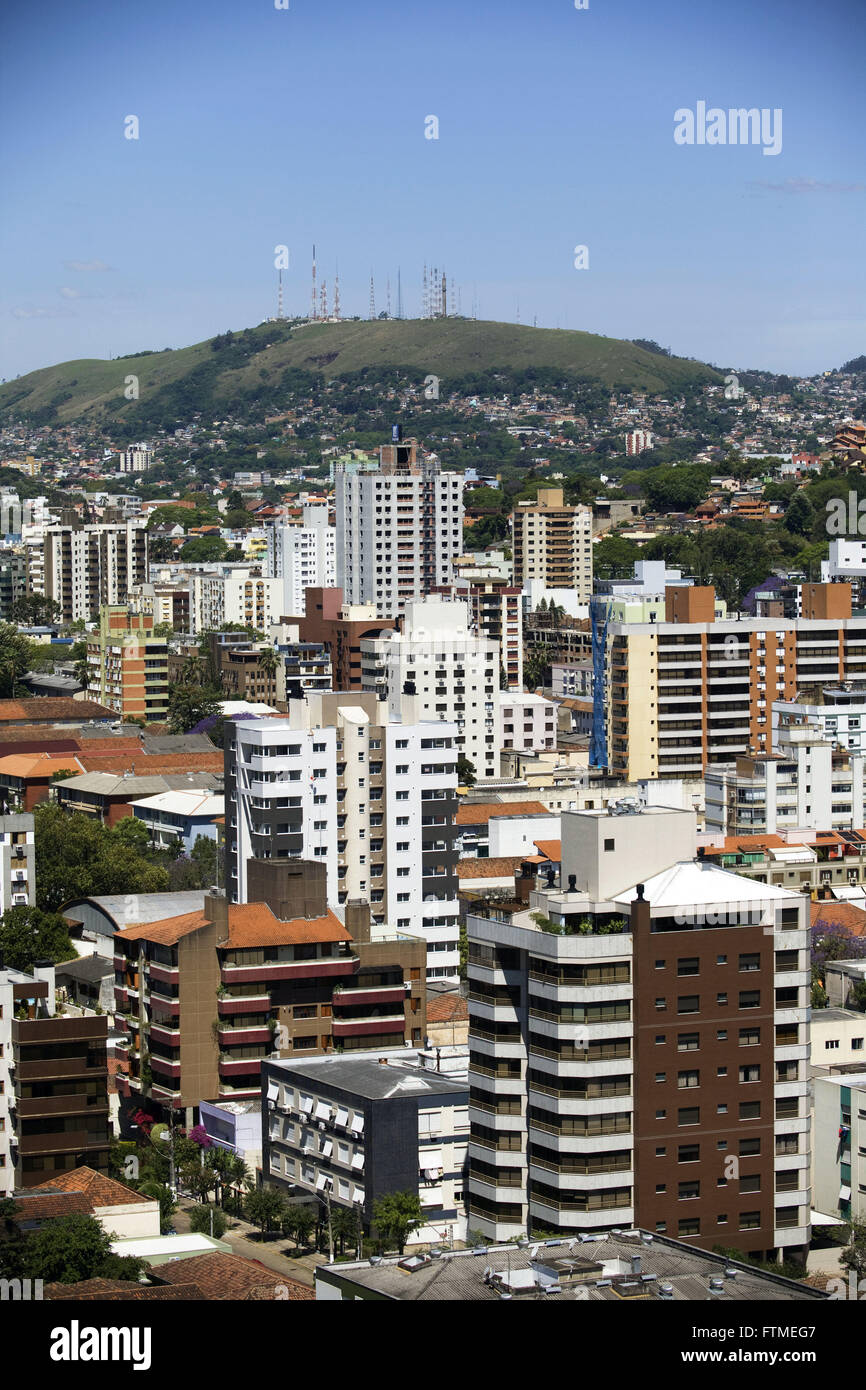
250 925
483 811
447 1008
839 915
45 709
122 1291
99 1190
551 849
221 1276
490 868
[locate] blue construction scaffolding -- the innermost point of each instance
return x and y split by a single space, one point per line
599 610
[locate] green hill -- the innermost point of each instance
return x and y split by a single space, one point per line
220 371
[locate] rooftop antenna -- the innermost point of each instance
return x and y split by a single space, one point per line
444 296
337 292
372 297
280 296
323 300
399 295
434 292
313 313
424 313
388 296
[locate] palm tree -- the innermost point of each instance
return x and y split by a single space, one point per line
190 671
237 1176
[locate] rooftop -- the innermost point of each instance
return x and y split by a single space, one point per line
480 812
249 925
369 1077
593 1268
221 1277
698 883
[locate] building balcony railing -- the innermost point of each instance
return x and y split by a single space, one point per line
360 1027
229 1004
289 970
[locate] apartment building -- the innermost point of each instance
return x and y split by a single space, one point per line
340 627
840 1144
495 612
637 442
135 460
373 799
127 665
452 674
206 996
357 1128
807 784
86 567
693 691
303 557
838 713
53 1083
17 862
398 529
234 594
552 542
639 1050
526 722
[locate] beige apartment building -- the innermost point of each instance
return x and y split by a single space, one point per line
553 542
693 691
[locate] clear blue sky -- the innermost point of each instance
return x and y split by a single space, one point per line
261 126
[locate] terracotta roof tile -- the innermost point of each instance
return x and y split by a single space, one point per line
447 1008
101 1191
481 812
551 849
46 708
840 915
122 1291
151 764
250 925
489 868
33 765
221 1276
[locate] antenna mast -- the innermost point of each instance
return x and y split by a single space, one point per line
313 307
372 298
280 296
388 296
337 293
399 295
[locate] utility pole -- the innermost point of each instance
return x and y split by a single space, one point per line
330 1227
360 1244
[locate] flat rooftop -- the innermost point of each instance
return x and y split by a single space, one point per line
595 1269
367 1076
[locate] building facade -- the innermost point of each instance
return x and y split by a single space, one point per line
303 557
127 665
398 529
552 542
86 567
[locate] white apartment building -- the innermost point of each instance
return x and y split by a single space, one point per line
452 674
398 529
495 611
527 723
838 1038
803 785
17 862
552 543
373 797
840 717
303 557
236 595
358 1127
635 1028
135 460
86 567
839 1172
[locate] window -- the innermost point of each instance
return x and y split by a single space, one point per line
750 1220
721 960
750 961
750 998
748 1148
661 1037
661 1187
722 1035
661 1005
661 1076
688 1153
688 1042
690 1115
689 1004
750 1037
660 965
721 999
687 1191
831 1045
688 1079
752 1073
750 1183
691 1227
687 966
750 1110
608 846
661 1151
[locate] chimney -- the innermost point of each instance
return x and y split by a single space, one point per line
358 919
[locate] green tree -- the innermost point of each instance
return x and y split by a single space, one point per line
207 1220
78 857
265 1207
298 1223
28 934
167 1205
465 772
73 1248
614 556
35 610
16 658
204 549
188 704
854 1255
799 516
395 1216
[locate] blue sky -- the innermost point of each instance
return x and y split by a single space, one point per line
261 127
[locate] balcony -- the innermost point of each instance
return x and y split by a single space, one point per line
289 970
243 1004
361 1027
375 994
229 1036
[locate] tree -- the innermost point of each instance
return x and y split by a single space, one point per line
79 857
854 1256
799 516
298 1223
167 1204
344 1225
208 1221
189 704
27 934
265 1207
35 610
465 772
395 1216
204 549
72 1248
16 658
831 941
